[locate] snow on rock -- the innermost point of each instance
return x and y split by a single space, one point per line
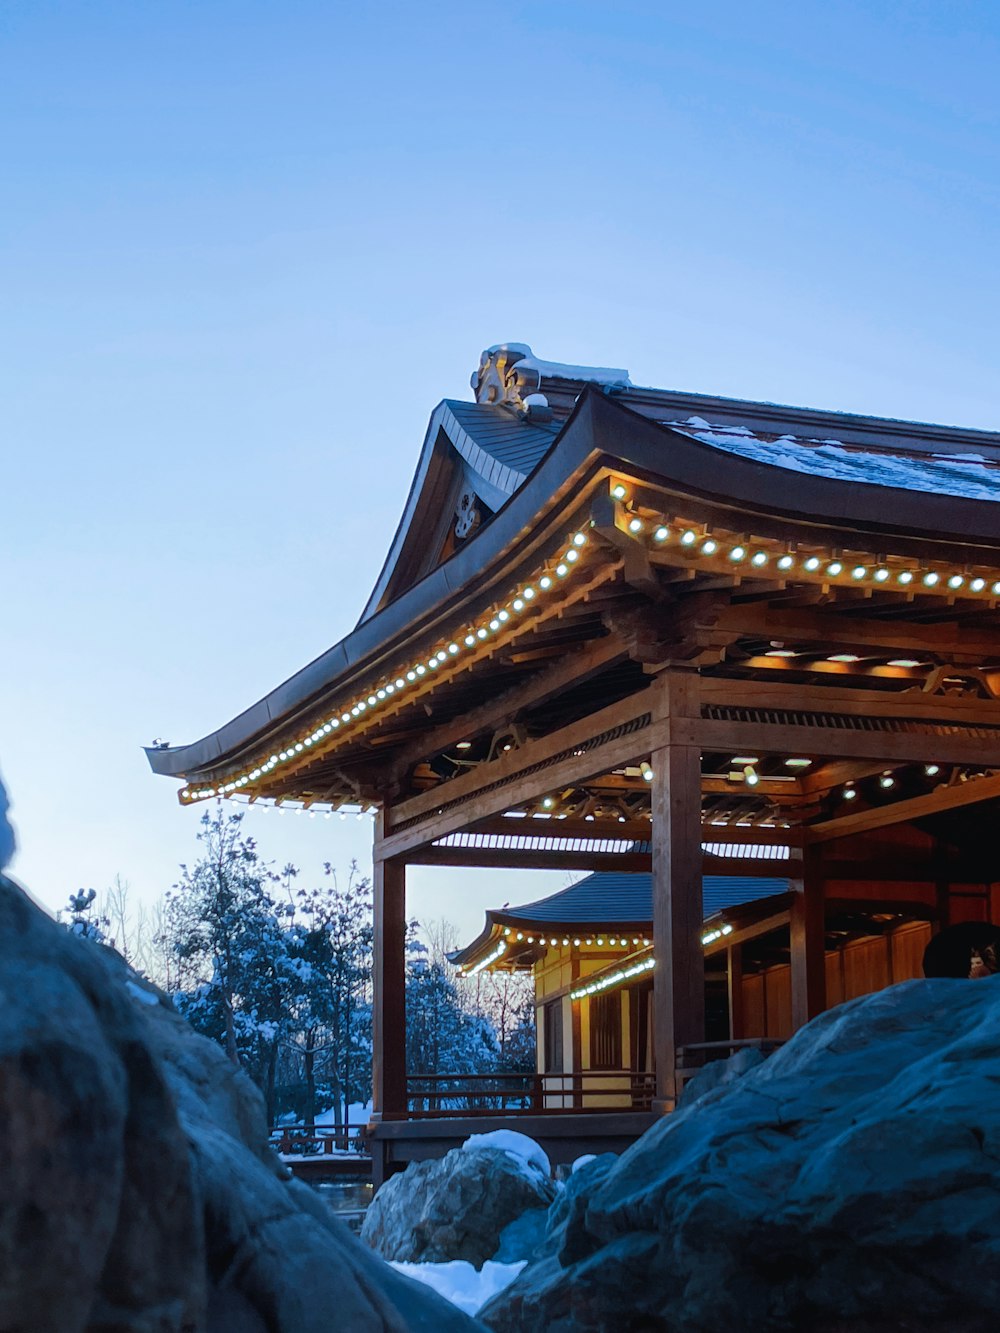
582 1162
7 842
139 1191
454 1207
518 1145
459 1282
850 1181
964 475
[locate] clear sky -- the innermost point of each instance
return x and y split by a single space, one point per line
246 248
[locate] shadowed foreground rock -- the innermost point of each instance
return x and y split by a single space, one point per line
850 1182
455 1207
139 1194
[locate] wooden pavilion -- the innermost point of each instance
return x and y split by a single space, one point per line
627 629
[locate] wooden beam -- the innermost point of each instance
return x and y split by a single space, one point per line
911 705
679 978
888 747
571 669
808 942
754 930
848 632
389 985
515 858
734 988
903 812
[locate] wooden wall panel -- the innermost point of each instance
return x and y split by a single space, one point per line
908 945
778 1001
753 1006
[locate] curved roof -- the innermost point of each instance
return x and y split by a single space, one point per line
915 502
612 899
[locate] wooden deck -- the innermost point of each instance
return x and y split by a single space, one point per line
564 1137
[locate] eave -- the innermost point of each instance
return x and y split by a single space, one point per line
601 441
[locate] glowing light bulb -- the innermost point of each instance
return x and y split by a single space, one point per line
689 538
812 564
635 525
661 534
786 561
709 547
579 539
931 578
759 558
956 581
905 576
858 572
737 553
881 574
834 568
619 491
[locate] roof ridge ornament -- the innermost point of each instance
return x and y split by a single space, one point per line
510 373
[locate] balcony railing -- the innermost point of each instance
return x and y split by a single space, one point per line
439 1095
319 1140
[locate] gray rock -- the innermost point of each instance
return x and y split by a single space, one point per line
455 1207
718 1072
522 1238
851 1181
139 1193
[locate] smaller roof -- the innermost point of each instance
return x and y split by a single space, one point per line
611 898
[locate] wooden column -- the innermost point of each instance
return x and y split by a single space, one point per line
389 986
734 983
808 940
679 976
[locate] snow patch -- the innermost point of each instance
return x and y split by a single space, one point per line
965 475
460 1283
141 994
517 1145
582 1161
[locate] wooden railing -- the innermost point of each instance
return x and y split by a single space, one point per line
314 1140
439 1095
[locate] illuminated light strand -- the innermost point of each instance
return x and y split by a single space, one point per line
865 569
491 957
711 936
615 978
346 714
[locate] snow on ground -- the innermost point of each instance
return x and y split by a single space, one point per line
518 1145
462 1284
966 475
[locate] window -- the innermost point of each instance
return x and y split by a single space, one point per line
606 1031
553 1029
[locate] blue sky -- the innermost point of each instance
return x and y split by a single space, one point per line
245 249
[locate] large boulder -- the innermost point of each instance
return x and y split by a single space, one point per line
139 1192
850 1182
454 1207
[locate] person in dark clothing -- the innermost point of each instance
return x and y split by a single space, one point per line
969 949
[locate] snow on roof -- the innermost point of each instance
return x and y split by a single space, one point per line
966 475
560 370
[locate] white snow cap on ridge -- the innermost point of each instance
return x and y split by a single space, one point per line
562 371
509 1141
965 475
7 840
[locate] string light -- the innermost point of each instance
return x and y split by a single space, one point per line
616 978
491 957
711 936
866 570
385 691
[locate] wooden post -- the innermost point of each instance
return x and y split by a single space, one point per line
389 986
808 941
679 976
734 983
